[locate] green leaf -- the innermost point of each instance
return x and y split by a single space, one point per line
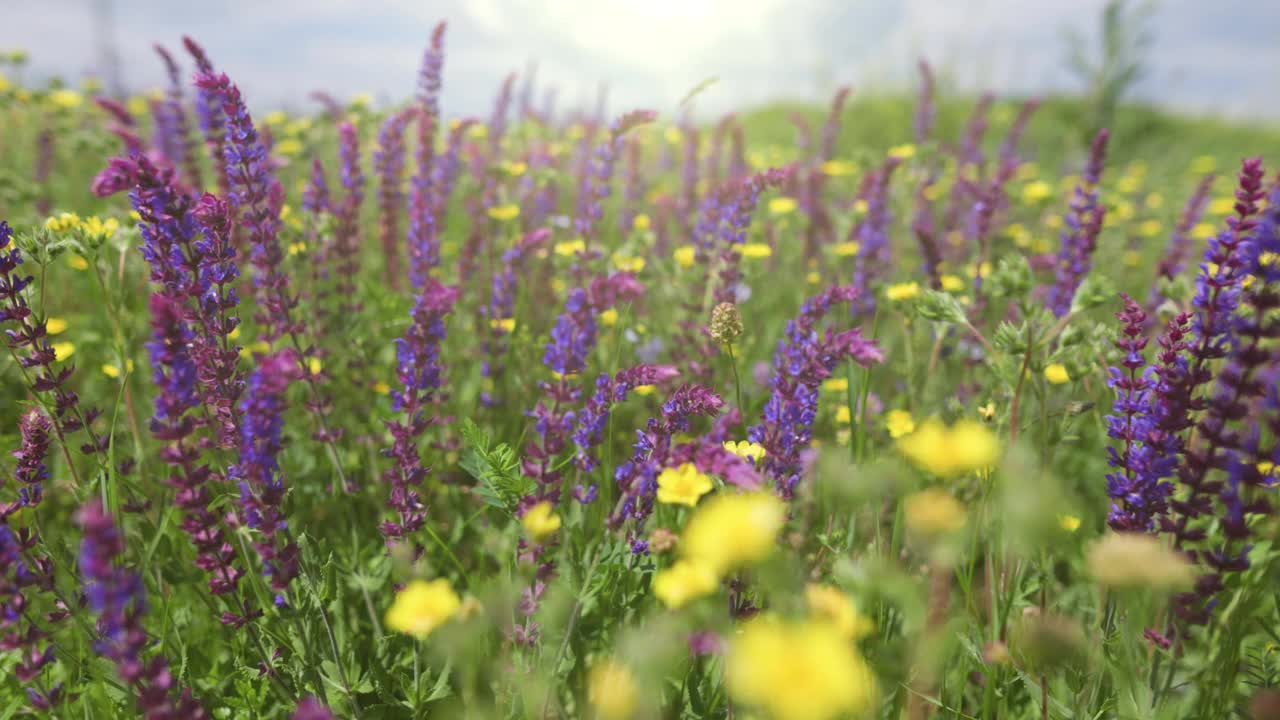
496 467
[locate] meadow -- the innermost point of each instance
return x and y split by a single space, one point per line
908 407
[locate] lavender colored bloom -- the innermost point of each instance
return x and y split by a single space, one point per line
257 471
734 226
347 243
926 112
595 185
257 197
185 139
500 312
209 115
123 125
872 236
23 577
312 709
431 75
423 255
971 143
388 161
116 595
30 471
501 113
1174 261
831 128
45 156
594 416
420 378
315 197
1080 236
573 336
803 359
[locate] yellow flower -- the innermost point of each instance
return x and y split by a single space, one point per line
684 582
77 263
288 147
845 249
933 512
570 248
950 451
813 278
782 205
643 390
234 334
628 264
1036 191
733 530
1131 258
838 168
905 151
952 283
899 423
612 691
972 269
1266 468
1203 231
987 411
684 256
503 324
540 521
423 606
381 388
113 371
63 350
276 117
314 366
754 250
830 604
835 384
902 291
516 169
798 671
683 485
860 206
503 213
1127 184
55 325
640 222
1150 228
1133 560
1056 374
4 83
1070 523
843 416
609 317
66 99
672 135
745 449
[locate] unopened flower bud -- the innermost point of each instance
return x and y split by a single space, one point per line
726 323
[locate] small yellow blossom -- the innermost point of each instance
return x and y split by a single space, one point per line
423 606
516 169
798 671
745 449
113 371
77 262
55 325
830 604
643 390
1266 468
63 350
950 451
683 485
234 334
276 117
1056 374
569 248
899 423
972 269
503 213
478 131
382 388
684 256
66 99
1203 231
782 205
987 411
609 317
902 291
905 151
838 168
813 278
1127 184
843 416
640 222
846 249
672 135
860 206
506 325
1035 191
4 83
684 582
1069 523
933 512
1149 228
733 530
836 384
314 366
612 691
288 147
628 264
754 250
952 283
540 521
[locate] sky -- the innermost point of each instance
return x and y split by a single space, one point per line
1212 56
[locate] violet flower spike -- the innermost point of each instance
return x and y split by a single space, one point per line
1080 236
388 161
595 187
594 416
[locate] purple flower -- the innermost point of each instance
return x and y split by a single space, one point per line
347 244
1080 236
595 184
184 142
804 358
736 222
926 112
501 112
209 115
311 709
872 235
388 161
595 414
1174 261
123 125
423 255
24 577
117 597
501 311
30 471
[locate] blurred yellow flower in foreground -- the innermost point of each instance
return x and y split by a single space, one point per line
1056 374
684 256
899 423
902 291
683 583
745 449
63 350
733 530
609 317
754 250
838 168
423 606
843 415
905 151
1132 560
683 485
569 248
840 384
1070 523
830 604
540 521
952 283
1036 191
845 249
798 671
640 222
612 691
950 451
503 324
643 390
933 512
66 99
55 325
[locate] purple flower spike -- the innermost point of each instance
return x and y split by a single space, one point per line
1080 236
595 185
347 244
595 415
312 709
30 471
388 160
117 597
802 361
925 109
209 114
1179 248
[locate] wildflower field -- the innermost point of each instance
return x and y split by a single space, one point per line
928 407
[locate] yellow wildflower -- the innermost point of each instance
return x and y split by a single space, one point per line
55 325
612 691
503 213
683 485
423 606
950 451
382 388
734 530
113 371
628 264
672 135
838 168
902 291
684 256
843 416
1150 228
782 205
540 521
933 512
314 366
860 206
1035 191
830 604
987 411
276 117
1056 374
4 83
288 147
1070 523
66 99
77 262
839 384
906 151
745 449
798 671
643 390
952 283
63 350
1203 231
609 317
845 249
570 248
754 250
813 278
1203 164
234 334
516 169
640 222
1154 201
899 423
504 324
684 582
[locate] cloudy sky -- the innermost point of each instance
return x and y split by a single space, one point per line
1218 56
